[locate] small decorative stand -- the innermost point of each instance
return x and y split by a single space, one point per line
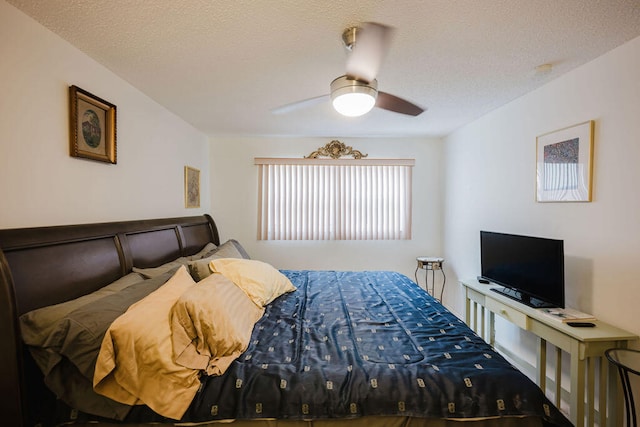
431 264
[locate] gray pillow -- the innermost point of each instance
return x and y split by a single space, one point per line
230 249
37 325
152 272
68 356
76 391
203 252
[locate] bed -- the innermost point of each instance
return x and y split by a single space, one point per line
324 348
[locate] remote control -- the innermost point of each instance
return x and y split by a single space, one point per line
581 324
483 280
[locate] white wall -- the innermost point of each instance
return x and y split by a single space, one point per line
490 184
40 184
234 188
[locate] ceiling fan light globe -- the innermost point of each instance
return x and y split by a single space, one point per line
353 98
354 104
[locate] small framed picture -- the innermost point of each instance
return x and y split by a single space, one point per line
564 164
92 126
191 187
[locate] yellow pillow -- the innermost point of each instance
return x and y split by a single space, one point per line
135 363
211 324
259 280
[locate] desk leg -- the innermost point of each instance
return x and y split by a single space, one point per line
542 365
591 378
483 324
467 311
576 400
602 391
614 401
558 376
613 407
492 329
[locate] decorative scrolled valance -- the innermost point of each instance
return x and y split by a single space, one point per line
336 149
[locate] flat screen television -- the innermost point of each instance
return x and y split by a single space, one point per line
530 269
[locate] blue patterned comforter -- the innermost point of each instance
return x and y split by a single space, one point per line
349 344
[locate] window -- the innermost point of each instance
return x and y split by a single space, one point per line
312 199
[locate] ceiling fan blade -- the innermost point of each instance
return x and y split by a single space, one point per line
305 103
371 45
390 102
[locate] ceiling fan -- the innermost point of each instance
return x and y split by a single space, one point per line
356 92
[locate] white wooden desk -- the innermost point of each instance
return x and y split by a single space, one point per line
585 346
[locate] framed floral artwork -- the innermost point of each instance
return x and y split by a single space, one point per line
92 126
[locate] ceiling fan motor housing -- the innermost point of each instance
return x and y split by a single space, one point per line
345 84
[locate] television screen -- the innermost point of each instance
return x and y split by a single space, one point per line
531 269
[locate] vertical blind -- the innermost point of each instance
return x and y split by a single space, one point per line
311 199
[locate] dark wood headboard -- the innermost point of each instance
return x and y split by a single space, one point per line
48 265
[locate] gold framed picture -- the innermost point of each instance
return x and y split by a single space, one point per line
92 126
191 187
564 164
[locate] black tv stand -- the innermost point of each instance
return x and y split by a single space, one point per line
523 298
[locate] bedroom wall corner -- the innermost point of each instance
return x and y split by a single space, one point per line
40 184
490 184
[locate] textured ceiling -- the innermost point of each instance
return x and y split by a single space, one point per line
223 65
